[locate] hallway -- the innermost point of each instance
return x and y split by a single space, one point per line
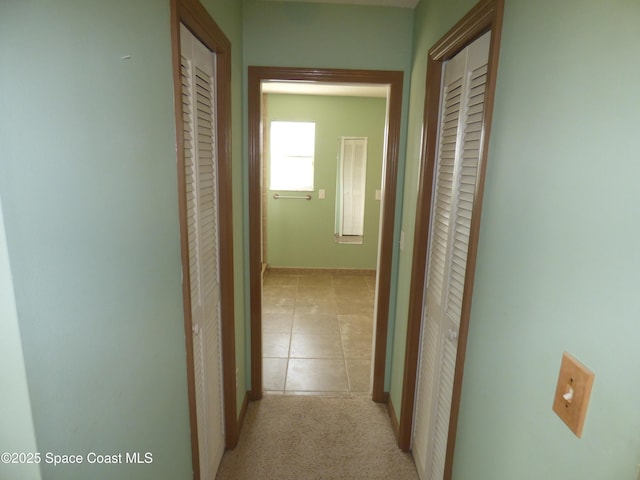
317 332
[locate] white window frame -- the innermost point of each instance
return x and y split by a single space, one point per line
291 156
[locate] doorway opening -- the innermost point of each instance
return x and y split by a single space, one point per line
322 163
393 82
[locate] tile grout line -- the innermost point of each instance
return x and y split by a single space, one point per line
293 316
344 353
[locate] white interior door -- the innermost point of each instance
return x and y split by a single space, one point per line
460 136
198 104
353 170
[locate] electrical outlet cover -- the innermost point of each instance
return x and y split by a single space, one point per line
572 393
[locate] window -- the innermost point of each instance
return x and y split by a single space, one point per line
292 149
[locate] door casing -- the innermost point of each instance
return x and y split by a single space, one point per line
390 173
485 16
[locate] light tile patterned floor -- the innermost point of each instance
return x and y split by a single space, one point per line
317 331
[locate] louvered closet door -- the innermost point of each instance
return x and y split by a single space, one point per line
460 132
353 169
198 104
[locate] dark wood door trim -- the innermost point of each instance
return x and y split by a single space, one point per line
390 174
196 18
485 16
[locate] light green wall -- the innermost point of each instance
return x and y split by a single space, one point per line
290 34
301 233
334 36
88 183
558 262
16 421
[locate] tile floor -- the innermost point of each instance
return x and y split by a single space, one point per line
317 332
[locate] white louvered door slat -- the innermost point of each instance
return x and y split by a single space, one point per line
353 171
423 417
190 176
192 233
359 183
348 153
437 260
460 137
442 407
443 191
450 115
467 175
198 85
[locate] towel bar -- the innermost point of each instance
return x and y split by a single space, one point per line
277 196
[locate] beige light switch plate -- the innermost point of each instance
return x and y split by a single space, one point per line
572 393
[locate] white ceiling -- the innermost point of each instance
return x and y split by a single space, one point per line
385 3
333 89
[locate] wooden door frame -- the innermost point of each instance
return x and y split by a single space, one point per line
485 16
390 174
196 18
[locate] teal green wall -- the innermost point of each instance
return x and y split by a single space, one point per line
558 264
301 233
16 421
88 184
334 36
558 261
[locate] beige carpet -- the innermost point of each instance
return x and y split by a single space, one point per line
307 438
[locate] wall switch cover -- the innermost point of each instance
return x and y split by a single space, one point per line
572 393
321 194
378 194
